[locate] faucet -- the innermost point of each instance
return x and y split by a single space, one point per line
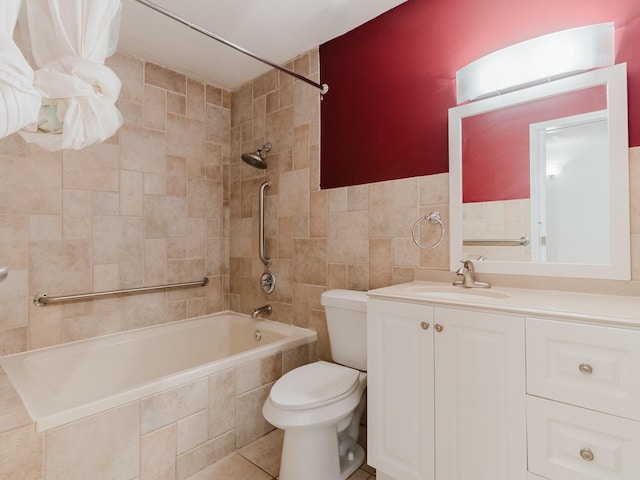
266 309
468 277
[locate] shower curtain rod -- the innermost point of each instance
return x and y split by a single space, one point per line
324 88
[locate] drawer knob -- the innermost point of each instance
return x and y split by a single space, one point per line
587 454
424 325
585 369
439 327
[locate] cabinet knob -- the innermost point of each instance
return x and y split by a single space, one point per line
424 325
585 369
587 454
439 327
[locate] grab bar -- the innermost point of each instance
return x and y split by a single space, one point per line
42 299
263 258
4 271
498 242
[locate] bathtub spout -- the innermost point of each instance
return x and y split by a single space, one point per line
266 309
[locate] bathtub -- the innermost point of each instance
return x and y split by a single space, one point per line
67 382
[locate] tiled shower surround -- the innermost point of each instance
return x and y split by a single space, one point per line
168 200
146 207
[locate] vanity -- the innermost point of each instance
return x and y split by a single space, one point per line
502 384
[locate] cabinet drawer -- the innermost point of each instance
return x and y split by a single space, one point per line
585 365
571 443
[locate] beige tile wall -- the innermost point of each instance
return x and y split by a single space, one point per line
146 207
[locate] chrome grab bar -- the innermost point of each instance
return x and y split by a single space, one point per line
4 271
42 299
263 258
498 242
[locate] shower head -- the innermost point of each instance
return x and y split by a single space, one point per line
256 159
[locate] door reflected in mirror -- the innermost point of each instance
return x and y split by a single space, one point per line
570 189
539 179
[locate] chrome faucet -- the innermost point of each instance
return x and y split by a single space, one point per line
468 276
266 309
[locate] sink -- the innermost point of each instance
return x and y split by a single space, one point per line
455 293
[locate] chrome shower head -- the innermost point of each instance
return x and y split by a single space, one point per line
256 159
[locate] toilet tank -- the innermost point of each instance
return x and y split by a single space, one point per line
346 313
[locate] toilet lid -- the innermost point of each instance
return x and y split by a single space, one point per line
314 385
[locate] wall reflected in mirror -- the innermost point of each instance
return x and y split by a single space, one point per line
538 175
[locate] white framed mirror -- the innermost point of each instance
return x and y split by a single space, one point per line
539 179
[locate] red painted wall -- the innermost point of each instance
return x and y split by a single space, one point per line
392 80
508 177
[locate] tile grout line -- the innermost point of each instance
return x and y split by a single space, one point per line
256 465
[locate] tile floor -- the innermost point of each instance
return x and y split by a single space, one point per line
260 460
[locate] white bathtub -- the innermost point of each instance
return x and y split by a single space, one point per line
70 381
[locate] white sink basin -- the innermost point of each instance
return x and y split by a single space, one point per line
455 293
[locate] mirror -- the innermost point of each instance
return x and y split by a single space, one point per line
539 179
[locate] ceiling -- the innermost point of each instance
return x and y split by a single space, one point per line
276 30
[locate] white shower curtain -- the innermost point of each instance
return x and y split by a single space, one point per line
70 40
19 101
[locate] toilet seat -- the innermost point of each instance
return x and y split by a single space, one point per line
314 385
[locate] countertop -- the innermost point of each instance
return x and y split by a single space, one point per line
588 307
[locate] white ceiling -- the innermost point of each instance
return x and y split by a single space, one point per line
277 30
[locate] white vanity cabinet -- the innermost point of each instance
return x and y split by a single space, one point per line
502 384
446 393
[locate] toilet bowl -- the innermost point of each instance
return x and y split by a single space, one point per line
319 405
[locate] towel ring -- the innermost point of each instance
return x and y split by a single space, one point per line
434 219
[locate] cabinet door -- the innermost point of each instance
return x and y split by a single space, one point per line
400 396
479 396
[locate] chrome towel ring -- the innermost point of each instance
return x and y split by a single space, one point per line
434 219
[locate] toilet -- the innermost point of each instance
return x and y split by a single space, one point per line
319 405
